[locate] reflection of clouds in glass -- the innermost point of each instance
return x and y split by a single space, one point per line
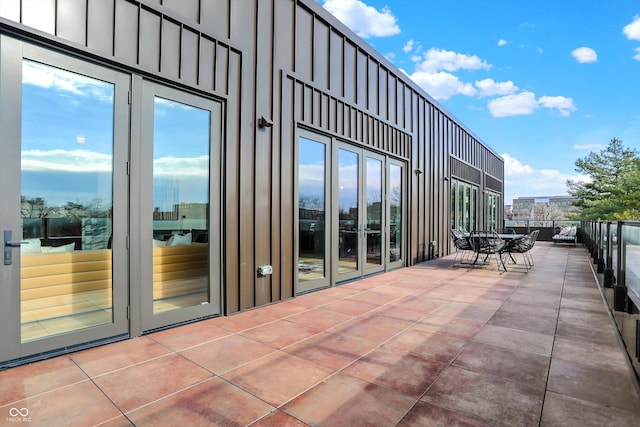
348 195
164 106
374 180
66 161
181 166
49 77
311 179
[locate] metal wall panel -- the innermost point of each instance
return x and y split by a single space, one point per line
361 81
100 26
126 31
336 70
265 291
10 9
215 17
189 57
170 48
303 43
190 9
71 20
150 40
291 61
39 14
321 51
350 76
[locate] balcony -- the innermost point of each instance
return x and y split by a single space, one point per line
425 345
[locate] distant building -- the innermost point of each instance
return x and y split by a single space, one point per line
541 208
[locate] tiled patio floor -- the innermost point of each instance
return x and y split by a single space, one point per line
429 345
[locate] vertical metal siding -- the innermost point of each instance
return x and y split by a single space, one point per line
289 60
70 13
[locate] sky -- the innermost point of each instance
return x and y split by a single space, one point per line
541 82
67 141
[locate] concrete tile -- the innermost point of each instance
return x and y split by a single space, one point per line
516 365
613 388
516 339
211 402
277 377
490 399
424 414
343 400
566 411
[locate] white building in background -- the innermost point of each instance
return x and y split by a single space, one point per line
543 208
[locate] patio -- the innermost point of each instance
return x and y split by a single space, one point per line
427 345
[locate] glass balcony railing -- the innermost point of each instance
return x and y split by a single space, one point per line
615 249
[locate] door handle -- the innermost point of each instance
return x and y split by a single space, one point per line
8 244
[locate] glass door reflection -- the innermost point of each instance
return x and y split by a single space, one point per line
348 211
312 214
66 201
374 213
395 195
181 144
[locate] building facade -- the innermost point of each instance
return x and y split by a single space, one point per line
173 160
543 208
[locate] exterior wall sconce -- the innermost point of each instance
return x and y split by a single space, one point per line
265 122
417 172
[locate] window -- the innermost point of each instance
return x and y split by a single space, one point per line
464 199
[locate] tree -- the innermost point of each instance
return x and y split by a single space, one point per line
545 212
611 191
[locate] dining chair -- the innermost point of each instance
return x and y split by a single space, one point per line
463 248
488 243
522 246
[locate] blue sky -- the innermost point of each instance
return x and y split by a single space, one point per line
67 141
542 82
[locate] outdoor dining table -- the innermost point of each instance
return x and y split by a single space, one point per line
508 238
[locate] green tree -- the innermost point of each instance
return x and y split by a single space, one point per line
612 189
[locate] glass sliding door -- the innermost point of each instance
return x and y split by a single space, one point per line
66 204
464 205
374 216
181 138
350 207
180 205
66 225
312 213
396 197
348 212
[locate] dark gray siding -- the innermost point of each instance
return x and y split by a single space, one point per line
291 61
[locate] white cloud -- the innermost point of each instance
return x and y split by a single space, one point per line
489 87
632 30
562 104
71 161
513 167
408 47
520 104
442 85
637 55
585 55
589 147
362 19
40 75
181 166
523 180
502 42
445 60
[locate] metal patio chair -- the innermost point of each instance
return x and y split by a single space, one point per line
488 243
522 246
463 248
